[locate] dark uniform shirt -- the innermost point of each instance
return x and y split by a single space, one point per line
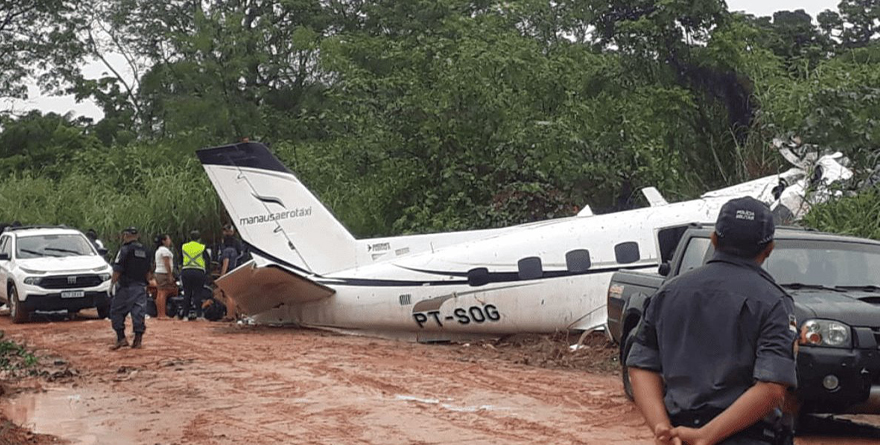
712 332
132 262
229 253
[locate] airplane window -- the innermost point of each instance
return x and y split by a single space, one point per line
478 276
530 268
627 253
578 260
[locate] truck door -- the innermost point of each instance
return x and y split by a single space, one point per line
5 248
696 253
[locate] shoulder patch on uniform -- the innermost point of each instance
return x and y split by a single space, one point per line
792 323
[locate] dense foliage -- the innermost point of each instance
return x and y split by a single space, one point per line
430 115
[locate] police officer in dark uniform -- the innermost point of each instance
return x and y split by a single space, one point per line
131 273
714 354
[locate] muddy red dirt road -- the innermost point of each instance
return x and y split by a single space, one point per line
213 383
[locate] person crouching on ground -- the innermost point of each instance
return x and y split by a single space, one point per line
165 284
131 273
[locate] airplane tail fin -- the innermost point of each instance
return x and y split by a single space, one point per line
275 213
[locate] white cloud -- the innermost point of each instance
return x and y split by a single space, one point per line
768 7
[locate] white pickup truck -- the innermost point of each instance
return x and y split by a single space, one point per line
51 269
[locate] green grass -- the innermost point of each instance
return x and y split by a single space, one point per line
857 215
110 191
15 357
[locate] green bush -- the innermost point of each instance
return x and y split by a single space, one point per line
857 215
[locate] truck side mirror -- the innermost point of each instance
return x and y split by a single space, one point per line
4 257
664 269
102 251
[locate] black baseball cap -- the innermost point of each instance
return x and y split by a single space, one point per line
745 224
130 230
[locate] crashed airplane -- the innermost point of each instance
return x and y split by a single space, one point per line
543 277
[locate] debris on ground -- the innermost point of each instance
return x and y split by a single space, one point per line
592 352
12 434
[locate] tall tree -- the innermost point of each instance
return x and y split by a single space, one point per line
857 23
862 22
793 37
37 40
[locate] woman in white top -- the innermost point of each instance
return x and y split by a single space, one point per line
165 284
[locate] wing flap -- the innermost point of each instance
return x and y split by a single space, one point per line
259 289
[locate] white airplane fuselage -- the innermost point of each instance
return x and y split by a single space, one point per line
429 292
541 277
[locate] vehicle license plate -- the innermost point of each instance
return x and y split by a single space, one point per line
73 294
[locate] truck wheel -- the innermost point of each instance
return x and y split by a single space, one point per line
16 311
624 370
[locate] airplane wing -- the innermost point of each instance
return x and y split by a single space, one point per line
259 289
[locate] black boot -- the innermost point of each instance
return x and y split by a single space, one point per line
120 343
138 339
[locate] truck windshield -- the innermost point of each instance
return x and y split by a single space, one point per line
826 263
38 246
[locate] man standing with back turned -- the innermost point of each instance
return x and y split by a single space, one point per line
193 275
131 271
720 339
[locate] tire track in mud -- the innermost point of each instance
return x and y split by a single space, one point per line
479 422
484 420
279 375
219 384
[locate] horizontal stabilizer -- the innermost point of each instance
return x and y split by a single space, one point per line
586 211
259 289
655 199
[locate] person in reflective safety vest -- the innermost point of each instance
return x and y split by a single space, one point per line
194 256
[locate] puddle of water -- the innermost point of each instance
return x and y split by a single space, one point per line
60 412
416 399
450 407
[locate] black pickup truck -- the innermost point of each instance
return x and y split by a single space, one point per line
835 282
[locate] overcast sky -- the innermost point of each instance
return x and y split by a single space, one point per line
66 104
768 7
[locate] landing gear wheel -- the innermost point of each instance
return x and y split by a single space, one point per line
16 311
624 370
